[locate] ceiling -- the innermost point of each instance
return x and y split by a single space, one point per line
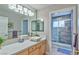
40 6
43 6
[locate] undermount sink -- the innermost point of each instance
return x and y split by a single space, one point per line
21 40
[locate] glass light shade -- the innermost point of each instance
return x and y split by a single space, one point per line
16 9
25 11
30 13
20 8
22 12
12 6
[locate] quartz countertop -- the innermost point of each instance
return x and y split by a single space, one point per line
16 47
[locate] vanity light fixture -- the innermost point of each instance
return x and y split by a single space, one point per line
21 9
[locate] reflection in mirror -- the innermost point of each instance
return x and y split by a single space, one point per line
11 21
4 27
37 25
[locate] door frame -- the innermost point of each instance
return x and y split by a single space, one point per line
73 22
78 23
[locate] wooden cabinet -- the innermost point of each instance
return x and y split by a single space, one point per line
38 49
34 50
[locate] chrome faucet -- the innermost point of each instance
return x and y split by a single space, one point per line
20 40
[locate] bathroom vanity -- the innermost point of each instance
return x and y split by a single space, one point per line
37 49
27 47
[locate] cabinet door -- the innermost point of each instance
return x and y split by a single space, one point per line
43 47
43 50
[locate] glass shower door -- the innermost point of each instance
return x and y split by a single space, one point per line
61 31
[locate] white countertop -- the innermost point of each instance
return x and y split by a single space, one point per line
16 47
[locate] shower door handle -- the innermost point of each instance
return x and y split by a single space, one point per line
76 41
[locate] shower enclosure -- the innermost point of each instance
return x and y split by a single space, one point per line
63 30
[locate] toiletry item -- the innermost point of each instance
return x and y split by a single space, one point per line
14 34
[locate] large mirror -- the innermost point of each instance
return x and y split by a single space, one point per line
15 21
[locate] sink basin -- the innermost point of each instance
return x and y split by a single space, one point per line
35 39
21 40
